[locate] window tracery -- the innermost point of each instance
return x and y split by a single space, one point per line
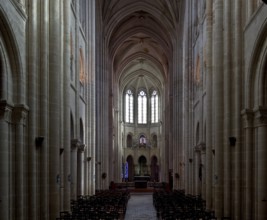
142 107
129 99
154 107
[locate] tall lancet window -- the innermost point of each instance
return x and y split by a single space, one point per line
129 106
142 108
154 107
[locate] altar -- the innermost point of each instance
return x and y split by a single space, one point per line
141 181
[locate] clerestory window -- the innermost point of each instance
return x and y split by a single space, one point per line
129 106
154 107
142 107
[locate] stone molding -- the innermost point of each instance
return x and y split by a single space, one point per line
81 147
248 117
20 114
77 144
6 111
20 7
260 116
74 144
201 147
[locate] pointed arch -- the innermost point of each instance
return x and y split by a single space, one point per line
11 65
130 162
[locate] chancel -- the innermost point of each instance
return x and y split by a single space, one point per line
100 99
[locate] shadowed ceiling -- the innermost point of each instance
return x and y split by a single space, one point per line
140 40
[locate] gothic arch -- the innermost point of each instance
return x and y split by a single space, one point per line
154 137
256 76
255 117
129 140
119 15
142 165
130 162
11 75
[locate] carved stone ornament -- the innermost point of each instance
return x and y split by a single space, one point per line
260 115
81 147
75 144
6 111
104 175
197 148
247 116
200 147
20 114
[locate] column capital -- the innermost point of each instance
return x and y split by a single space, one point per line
197 149
81 147
6 109
75 144
20 114
260 116
201 147
248 116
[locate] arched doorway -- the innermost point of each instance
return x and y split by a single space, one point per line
142 166
130 168
154 169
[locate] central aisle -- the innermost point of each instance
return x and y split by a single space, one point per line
140 207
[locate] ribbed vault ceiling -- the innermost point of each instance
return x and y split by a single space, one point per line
140 37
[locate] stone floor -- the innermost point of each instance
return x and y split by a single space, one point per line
140 207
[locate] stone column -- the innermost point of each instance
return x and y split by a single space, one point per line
261 163
43 127
66 109
203 170
32 96
227 107
185 175
20 115
248 163
80 168
218 104
5 120
92 57
196 170
209 128
55 72
237 64
73 178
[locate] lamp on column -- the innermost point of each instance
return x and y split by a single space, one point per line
232 141
39 141
61 150
88 158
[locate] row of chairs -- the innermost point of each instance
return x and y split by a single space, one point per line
105 204
177 205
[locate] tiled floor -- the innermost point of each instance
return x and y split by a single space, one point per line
140 207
